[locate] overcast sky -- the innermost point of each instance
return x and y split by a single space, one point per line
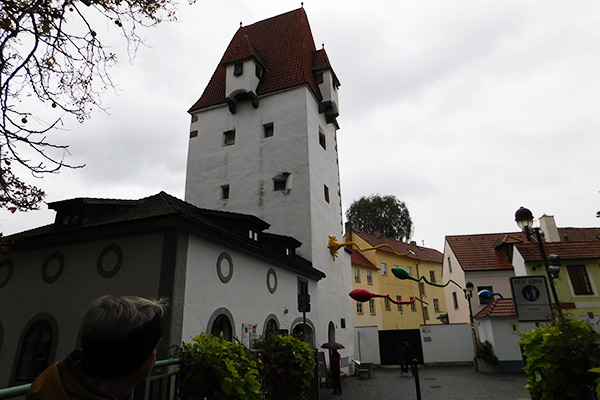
465 110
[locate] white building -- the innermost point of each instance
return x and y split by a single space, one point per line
217 277
263 142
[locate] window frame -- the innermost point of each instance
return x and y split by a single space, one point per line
369 278
229 138
384 268
357 275
372 309
577 280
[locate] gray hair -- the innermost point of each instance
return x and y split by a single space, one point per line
111 317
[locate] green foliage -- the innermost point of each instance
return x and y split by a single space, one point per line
559 358
213 368
486 353
287 366
384 215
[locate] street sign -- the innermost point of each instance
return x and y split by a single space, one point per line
532 301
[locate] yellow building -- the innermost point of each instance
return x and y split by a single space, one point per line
372 270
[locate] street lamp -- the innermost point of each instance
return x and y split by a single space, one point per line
524 219
468 290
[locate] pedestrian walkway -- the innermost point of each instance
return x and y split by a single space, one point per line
447 382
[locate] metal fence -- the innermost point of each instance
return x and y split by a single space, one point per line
162 384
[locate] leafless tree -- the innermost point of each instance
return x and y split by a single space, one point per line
54 63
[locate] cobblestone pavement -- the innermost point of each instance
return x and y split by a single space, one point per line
447 383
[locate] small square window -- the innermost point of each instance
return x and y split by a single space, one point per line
195 118
225 192
229 138
193 134
326 192
343 323
268 129
280 182
322 140
238 69
319 78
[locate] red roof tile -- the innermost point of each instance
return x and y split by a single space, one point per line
414 251
566 250
283 44
358 259
479 252
497 308
485 251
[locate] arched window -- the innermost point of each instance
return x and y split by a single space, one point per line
222 325
271 327
305 332
35 351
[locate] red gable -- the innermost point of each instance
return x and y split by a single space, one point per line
283 45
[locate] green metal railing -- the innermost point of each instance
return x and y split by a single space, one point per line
162 384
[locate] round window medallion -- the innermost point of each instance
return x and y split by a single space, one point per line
225 267
271 280
110 260
53 267
6 270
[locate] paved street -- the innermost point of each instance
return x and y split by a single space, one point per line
447 382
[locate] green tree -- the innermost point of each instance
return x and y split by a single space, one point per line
383 215
54 63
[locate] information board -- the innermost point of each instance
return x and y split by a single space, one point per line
532 300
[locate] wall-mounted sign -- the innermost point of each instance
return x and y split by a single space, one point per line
532 300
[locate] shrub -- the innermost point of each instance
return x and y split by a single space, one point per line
213 368
559 358
486 353
287 366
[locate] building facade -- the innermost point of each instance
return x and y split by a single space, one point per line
377 277
219 277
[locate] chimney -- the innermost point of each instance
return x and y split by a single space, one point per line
348 235
549 228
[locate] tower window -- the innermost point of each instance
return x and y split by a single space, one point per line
229 137
193 134
319 78
326 192
195 118
225 192
238 69
280 182
268 129
322 140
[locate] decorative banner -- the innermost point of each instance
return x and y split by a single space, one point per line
334 246
363 295
401 273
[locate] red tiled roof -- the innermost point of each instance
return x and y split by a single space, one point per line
497 308
358 259
283 44
483 251
479 252
566 250
414 251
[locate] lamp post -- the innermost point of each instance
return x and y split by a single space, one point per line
468 290
524 219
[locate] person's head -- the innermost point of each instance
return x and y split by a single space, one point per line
119 336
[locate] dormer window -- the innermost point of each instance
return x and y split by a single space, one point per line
238 69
